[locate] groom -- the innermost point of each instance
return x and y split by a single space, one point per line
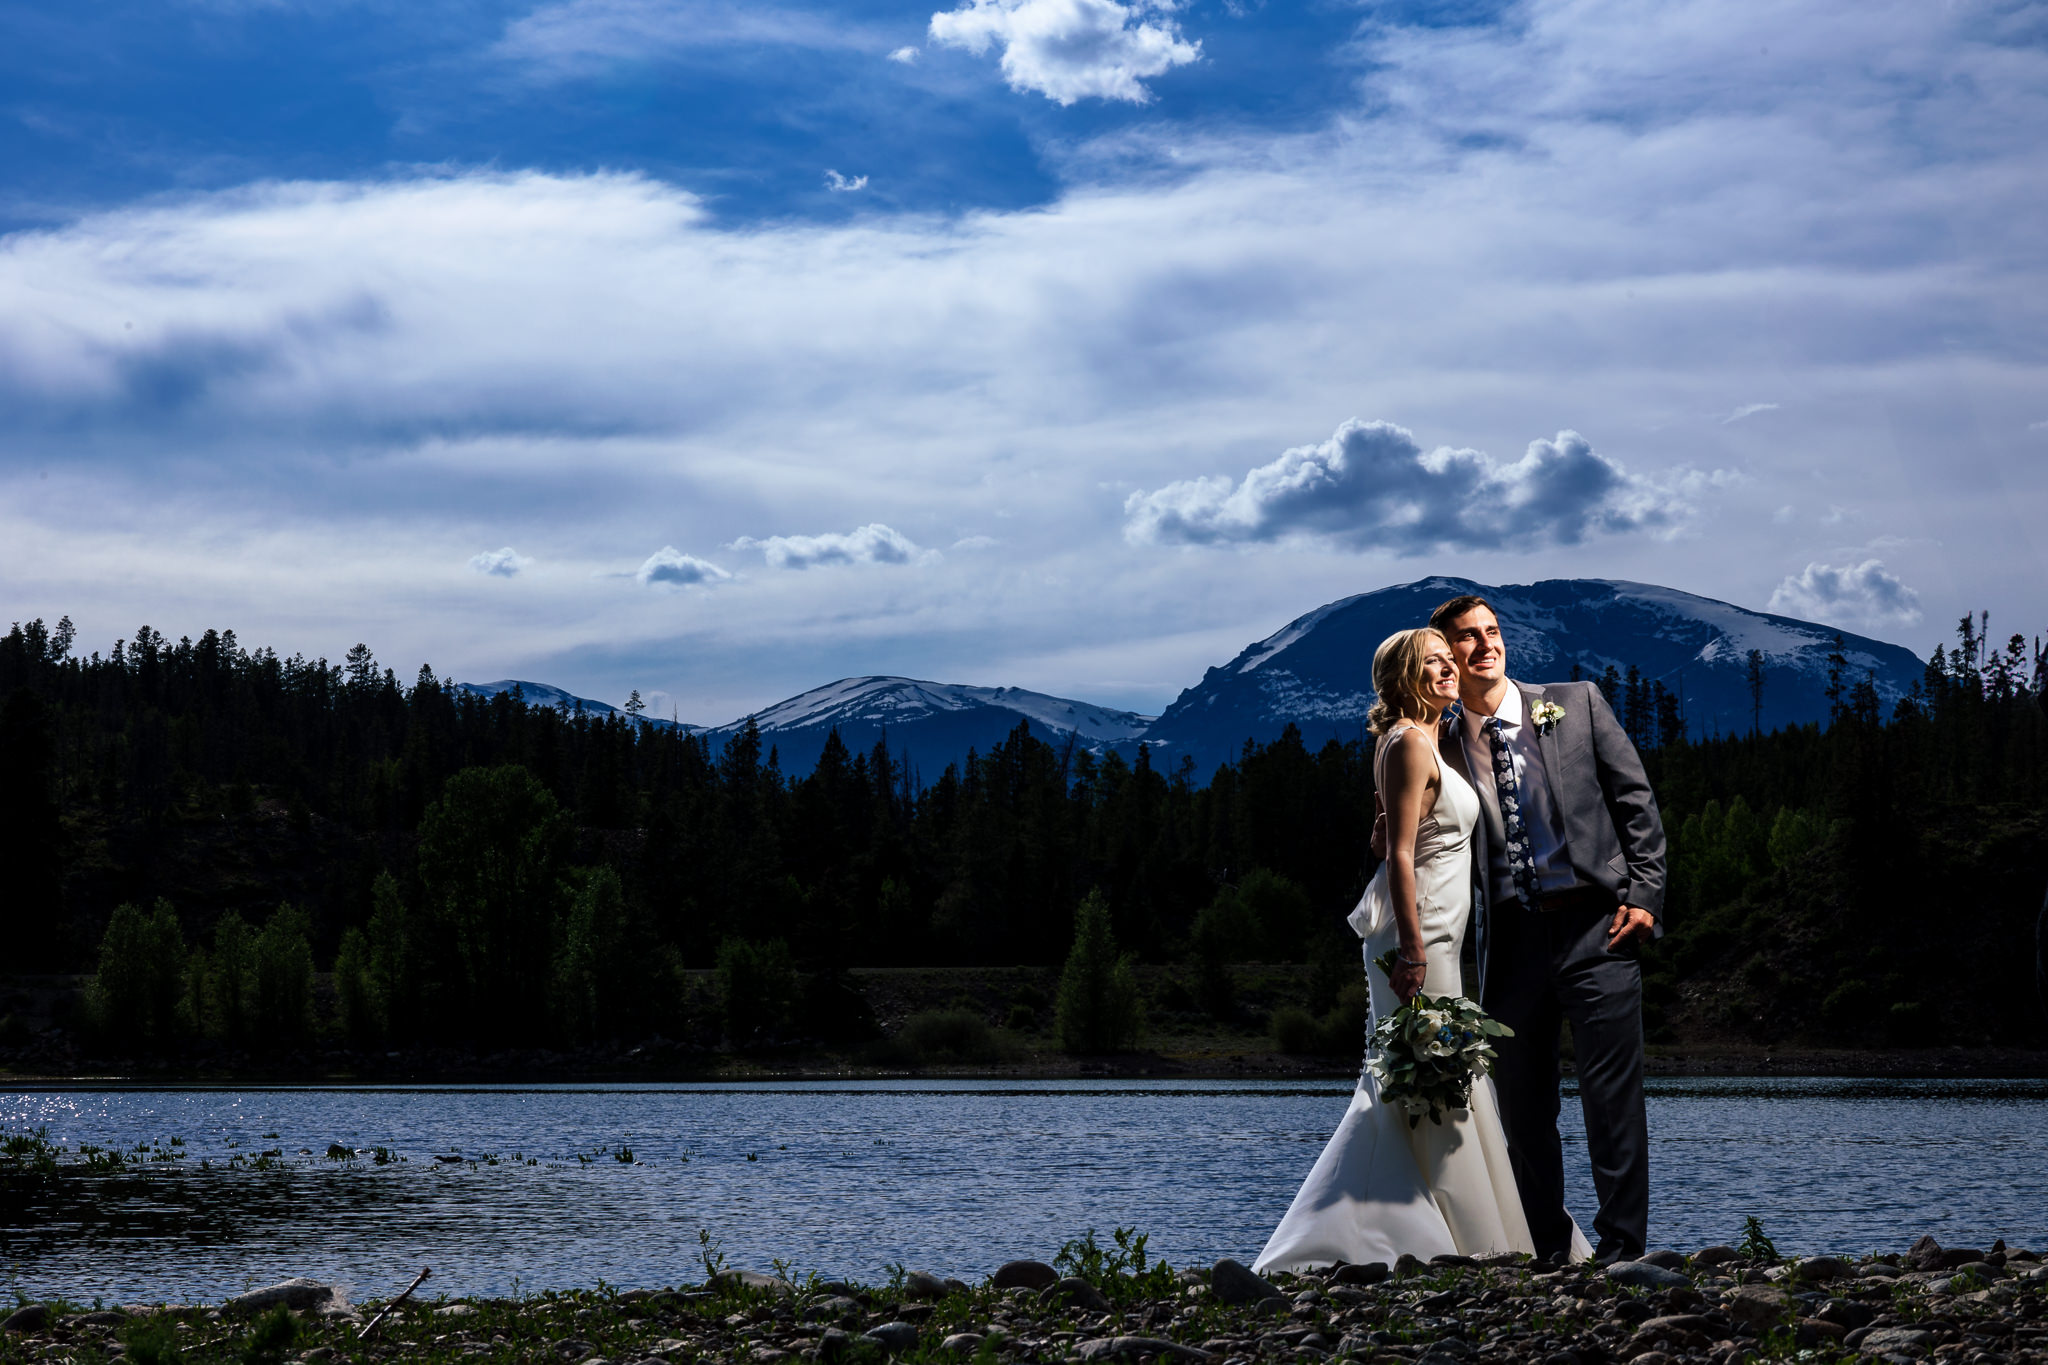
1568 865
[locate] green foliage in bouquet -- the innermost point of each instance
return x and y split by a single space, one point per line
1426 1054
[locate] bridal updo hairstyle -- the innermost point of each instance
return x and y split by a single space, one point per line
1397 678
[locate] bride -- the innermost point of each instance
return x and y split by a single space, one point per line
1382 1188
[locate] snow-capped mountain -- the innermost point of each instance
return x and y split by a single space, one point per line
929 724
1316 672
554 698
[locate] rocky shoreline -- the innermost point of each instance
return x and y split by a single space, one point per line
1947 1306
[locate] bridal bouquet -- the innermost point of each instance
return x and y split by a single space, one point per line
1427 1054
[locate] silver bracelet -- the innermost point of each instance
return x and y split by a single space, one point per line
1406 963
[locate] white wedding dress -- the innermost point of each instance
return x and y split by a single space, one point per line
1382 1188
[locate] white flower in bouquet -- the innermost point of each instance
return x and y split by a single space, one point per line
1426 1055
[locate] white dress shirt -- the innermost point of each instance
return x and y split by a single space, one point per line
1539 812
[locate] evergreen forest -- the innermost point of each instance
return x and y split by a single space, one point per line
232 849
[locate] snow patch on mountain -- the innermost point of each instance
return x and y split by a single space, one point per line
900 701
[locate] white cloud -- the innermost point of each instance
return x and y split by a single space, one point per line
840 184
670 568
1748 410
2038 426
906 55
1069 50
976 543
1371 487
870 544
1865 594
325 382
576 37
499 563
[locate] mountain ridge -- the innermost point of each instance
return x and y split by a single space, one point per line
1315 673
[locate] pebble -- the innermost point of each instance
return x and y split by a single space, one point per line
1231 1282
1077 1291
1643 1275
893 1336
1024 1275
922 1285
297 1293
28 1318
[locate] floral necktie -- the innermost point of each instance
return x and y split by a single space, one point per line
1521 853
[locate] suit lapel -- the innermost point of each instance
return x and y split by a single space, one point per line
1547 745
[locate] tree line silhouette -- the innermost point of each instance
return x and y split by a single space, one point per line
200 824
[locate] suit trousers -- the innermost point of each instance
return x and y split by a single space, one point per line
1546 967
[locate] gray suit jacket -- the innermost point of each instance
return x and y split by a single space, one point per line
1613 835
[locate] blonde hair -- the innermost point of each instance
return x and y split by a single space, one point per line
1397 678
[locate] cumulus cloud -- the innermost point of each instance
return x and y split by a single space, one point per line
840 184
870 544
499 563
1069 50
906 55
1371 487
1866 593
668 567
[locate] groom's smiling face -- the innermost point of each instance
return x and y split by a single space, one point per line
1476 646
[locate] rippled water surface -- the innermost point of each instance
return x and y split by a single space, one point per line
956 1177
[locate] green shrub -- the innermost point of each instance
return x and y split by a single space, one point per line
136 991
271 1338
283 1006
1098 1009
355 992
1296 1031
757 990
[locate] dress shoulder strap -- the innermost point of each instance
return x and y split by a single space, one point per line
1386 745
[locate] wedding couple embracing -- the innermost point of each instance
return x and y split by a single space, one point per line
1518 813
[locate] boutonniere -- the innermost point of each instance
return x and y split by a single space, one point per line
1546 714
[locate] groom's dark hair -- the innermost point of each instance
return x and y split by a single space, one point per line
1440 619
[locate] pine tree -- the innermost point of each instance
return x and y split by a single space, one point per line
1097 1008
1754 674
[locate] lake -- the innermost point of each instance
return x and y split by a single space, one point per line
951 1176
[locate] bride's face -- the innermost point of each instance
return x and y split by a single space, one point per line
1440 673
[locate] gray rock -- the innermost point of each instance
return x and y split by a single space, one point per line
1902 1340
834 1345
1111 1348
1024 1275
28 1318
456 1310
1634 1310
832 1306
923 1285
1652 1358
1715 1255
1823 1268
1408 1263
754 1279
1670 1260
1878 1270
1643 1275
1231 1282
962 1343
297 1293
1078 1291
893 1336
1436 1355
1924 1254
1673 1324
1758 1305
1848 1315
1372 1272
105 1317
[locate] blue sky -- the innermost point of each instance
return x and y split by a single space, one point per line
721 349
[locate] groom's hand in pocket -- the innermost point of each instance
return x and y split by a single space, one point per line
1630 926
